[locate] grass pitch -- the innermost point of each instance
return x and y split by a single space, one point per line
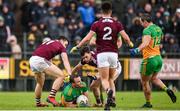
124 100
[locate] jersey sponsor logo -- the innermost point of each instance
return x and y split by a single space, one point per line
107 20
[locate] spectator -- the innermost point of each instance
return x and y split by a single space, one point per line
59 9
176 24
5 33
43 29
173 46
167 23
72 11
38 12
87 13
81 30
36 34
15 47
27 12
51 21
148 8
62 29
31 44
136 29
8 16
158 20
129 16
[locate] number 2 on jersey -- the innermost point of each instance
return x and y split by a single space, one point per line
107 35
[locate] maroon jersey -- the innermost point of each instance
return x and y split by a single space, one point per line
93 61
107 30
49 49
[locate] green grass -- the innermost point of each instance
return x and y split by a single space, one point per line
124 100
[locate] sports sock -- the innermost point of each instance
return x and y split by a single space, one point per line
98 100
107 90
148 102
113 98
165 88
38 101
52 93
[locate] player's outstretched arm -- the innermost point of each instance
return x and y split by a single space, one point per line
146 40
66 62
126 38
76 68
119 42
85 40
92 41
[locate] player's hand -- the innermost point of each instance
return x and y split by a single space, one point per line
134 51
75 48
92 77
131 45
67 79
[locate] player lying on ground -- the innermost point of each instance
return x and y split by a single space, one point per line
89 57
72 91
40 64
152 61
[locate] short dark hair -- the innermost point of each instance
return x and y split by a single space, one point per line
63 38
106 7
146 17
84 50
72 77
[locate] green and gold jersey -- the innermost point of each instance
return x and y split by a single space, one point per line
156 35
71 93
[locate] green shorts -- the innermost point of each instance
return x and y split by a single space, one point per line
151 65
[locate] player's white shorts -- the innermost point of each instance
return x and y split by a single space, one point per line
39 64
118 70
107 59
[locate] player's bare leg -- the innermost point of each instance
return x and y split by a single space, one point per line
112 73
147 90
58 74
104 74
40 78
155 80
95 87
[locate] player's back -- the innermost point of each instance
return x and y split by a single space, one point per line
107 31
49 49
154 46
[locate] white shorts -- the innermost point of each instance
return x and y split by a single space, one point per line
119 68
107 59
39 64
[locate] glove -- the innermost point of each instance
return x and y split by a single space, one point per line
67 79
75 48
131 45
134 51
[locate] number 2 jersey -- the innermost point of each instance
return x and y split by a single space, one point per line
49 49
153 48
107 32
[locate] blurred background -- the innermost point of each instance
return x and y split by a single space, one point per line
24 24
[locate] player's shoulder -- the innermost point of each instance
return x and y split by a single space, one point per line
83 84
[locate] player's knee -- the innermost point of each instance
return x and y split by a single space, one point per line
40 84
154 79
92 87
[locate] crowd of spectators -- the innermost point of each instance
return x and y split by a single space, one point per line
49 19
